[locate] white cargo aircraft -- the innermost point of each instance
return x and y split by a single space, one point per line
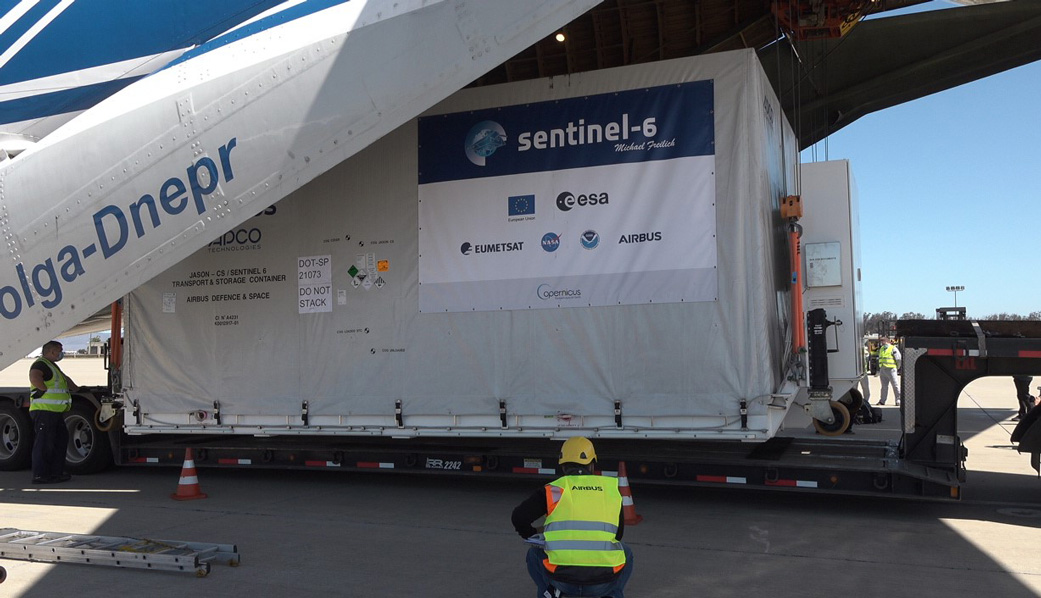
241 107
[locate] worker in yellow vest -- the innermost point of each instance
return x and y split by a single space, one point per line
580 550
50 398
888 362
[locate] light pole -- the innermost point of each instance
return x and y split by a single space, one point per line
955 290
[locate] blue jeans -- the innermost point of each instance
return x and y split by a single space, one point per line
540 576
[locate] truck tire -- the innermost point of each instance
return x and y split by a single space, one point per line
16 437
89 448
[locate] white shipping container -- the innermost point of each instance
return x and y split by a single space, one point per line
395 302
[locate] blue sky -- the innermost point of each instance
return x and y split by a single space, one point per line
950 194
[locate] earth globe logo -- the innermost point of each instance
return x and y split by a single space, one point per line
483 139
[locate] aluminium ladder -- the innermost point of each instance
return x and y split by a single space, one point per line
115 551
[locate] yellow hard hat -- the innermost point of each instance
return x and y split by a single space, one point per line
579 450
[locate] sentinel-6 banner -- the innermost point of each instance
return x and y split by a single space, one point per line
597 200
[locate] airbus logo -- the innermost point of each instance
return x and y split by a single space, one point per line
640 237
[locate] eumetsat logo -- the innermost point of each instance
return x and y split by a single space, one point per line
483 139
468 248
548 293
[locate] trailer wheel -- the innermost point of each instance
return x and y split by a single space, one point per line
16 437
89 449
842 421
3 574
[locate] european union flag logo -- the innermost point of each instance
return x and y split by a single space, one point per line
522 205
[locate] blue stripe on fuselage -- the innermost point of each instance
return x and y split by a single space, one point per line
60 102
290 14
91 33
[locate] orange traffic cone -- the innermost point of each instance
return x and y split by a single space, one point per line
628 508
188 487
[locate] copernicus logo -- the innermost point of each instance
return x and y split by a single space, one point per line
483 139
548 293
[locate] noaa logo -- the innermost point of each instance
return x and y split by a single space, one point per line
550 242
466 248
590 239
568 200
483 139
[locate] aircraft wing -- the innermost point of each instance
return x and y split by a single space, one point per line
170 162
58 57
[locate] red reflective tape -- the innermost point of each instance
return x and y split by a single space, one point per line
375 465
719 479
235 461
1030 353
940 352
144 460
791 483
525 470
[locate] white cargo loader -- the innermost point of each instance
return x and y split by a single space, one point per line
600 254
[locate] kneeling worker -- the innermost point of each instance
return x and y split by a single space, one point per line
583 553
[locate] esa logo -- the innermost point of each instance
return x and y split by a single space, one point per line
568 200
640 237
550 242
483 139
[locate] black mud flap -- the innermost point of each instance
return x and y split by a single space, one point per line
1028 435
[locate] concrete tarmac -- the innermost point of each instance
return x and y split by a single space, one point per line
305 534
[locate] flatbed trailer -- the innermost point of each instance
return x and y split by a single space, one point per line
927 461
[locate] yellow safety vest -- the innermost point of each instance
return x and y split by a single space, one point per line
582 522
57 398
885 357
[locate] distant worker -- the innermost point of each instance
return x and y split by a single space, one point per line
865 388
583 553
888 362
1026 402
50 398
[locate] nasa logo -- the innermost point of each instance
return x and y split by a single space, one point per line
590 239
483 139
550 242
